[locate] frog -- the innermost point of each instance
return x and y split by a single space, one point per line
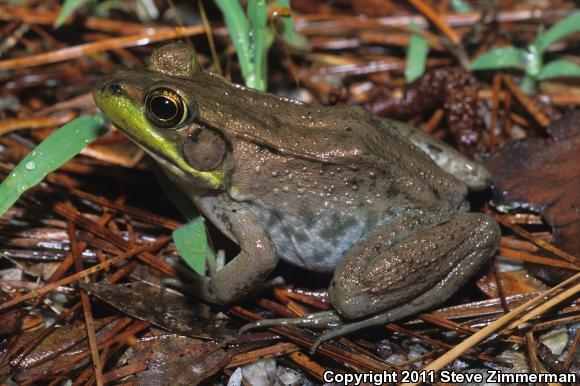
376 203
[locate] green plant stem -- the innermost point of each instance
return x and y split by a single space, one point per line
258 15
239 29
528 84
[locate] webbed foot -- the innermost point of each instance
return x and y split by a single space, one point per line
326 319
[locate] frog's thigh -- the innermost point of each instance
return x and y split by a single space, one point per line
251 267
415 273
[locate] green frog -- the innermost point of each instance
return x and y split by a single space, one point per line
377 203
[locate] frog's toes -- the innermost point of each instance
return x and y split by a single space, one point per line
326 319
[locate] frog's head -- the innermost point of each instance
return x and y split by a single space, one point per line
154 108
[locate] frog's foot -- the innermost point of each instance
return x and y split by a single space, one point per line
347 328
426 300
326 319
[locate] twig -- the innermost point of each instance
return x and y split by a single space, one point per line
79 275
571 352
85 49
434 18
539 242
539 116
514 254
89 321
473 340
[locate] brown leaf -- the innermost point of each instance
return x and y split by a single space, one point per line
164 308
544 175
179 360
512 283
62 344
11 320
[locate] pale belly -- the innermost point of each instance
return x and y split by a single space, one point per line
317 244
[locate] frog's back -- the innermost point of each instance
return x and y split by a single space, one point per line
340 135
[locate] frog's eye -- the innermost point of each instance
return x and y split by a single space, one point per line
165 108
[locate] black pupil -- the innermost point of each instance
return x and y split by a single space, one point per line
163 108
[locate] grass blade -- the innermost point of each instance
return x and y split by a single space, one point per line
190 239
258 15
460 6
561 29
505 57
49 155
559 69
288 34
68 8
239 29
416 55
191 243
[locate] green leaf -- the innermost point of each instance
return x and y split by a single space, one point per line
416 55
559 69
68 8
460 6
191 243
239 29
258 16
561 29
504 57
49 155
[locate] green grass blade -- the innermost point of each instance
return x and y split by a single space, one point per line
416 55
258 16
505 57
239 29
49 155
561 29
191 243
68 8
559 69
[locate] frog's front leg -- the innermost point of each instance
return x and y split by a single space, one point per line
249 269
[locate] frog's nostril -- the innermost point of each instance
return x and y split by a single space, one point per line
116 89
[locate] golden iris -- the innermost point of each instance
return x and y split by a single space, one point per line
165 108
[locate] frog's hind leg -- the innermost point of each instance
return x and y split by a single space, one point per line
416 272
419 271
397 271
